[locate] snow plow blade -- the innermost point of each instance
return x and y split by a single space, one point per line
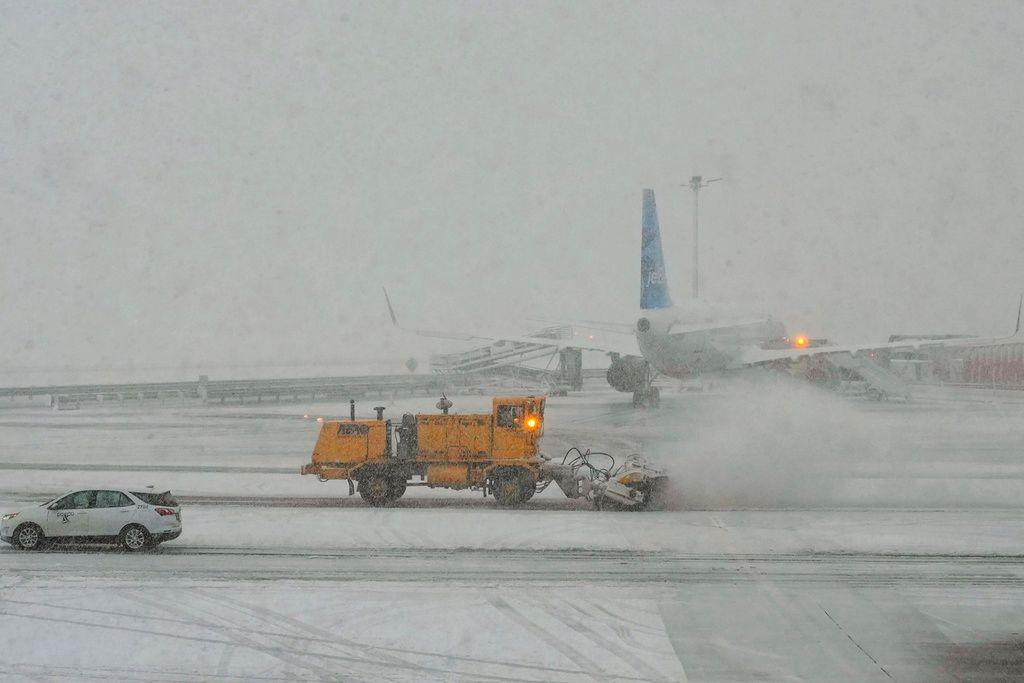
635 484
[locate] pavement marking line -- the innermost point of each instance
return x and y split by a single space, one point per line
788 607
859 647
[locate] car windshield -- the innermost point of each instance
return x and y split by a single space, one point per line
164 498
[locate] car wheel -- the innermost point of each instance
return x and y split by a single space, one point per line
133 538
29 537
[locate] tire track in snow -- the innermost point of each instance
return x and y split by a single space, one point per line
266 615
106 673
279 653
607 644
382 656
581 660
328 640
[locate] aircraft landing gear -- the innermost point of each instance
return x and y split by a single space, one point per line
646 396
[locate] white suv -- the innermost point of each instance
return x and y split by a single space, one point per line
135 518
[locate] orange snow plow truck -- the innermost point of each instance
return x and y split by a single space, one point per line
496 452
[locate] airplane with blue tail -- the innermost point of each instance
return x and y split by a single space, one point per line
698 338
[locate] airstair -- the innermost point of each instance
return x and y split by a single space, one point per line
881 382
510 358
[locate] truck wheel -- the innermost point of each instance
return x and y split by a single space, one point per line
513 488
375 490
397 489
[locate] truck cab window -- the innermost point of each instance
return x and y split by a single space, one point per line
510 416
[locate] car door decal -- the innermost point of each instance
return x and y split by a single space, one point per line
64 516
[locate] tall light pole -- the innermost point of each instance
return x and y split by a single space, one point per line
696 183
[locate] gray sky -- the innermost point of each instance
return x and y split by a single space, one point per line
234 182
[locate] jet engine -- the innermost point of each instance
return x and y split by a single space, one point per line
628 374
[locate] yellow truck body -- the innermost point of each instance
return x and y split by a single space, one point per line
496 451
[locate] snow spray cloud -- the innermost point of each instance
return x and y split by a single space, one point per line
763 443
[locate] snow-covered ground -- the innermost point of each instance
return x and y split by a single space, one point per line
812 538
770 446
523 616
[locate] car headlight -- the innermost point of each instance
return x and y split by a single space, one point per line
10 516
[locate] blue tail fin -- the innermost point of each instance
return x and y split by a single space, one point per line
653 283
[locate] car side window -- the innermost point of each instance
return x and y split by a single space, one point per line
80 500
84 500
112 499
63 504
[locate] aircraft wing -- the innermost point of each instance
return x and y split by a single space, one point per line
757 356
627 346
604 326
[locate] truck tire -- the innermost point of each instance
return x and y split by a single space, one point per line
375 489
513 487
397 489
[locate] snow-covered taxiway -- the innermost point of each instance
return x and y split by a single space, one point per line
812 538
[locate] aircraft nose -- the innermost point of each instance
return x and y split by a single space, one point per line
643 325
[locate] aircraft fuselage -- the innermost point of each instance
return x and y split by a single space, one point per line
682 342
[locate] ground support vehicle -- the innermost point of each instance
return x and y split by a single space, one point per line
497 453
134 518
